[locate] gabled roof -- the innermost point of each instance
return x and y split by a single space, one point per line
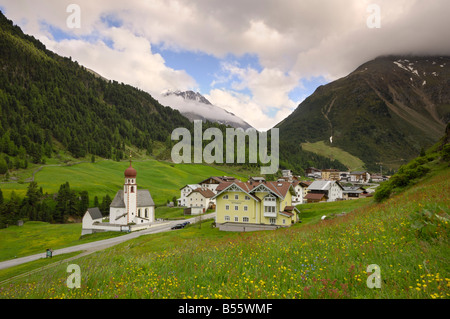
207 193
323 185
143 199
314 196
279 189
95 213
192 186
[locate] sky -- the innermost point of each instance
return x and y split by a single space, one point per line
258 59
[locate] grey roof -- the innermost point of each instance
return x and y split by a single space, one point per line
95 213
320 185
144 199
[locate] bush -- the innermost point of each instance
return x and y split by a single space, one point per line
383 192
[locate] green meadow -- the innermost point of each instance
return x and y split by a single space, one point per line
405 236
163 179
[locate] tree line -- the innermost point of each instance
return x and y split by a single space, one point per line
51 208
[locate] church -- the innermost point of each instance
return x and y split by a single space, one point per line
131 205
131 209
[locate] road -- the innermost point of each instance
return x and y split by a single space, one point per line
102 244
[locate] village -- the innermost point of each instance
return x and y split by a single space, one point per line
256 204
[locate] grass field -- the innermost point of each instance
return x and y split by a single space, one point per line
163 179
326 259
320 148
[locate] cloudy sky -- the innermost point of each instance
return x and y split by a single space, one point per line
256 58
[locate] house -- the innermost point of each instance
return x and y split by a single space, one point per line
299 188
287 173
353 192
184 192
344 176
330 174
214 181
313 172
316 198
359 177
201 197
131 205
378 178
331 189
252 206
92 215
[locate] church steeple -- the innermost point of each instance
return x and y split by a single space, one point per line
130 192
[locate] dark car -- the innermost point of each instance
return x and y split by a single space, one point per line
186 223
177 226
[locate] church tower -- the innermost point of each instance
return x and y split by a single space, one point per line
130 193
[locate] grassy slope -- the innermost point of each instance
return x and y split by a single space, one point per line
163 179
328 259
320 148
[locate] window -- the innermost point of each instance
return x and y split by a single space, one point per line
247 197
236 218
236 196
236 207
146 213
269 209
227 207
273 220
139 212
245 219
245 208
284 221
227 218
132 189
225 197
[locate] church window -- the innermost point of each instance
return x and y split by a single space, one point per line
146 213
139 212
132 189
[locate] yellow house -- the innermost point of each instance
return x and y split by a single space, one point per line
254 205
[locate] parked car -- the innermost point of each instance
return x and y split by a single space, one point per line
177 226
186 223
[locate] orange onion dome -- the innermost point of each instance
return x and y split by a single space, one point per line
130 172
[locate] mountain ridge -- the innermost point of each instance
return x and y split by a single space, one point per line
384 112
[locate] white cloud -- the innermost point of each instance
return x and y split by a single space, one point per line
292 39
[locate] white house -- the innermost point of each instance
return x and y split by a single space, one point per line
184 192
299 188
360 177
92 215
201 197
333 190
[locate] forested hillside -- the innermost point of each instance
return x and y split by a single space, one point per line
46 98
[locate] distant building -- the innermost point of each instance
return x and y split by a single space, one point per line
330 174
185 191
201 197
332 190
360 177
313 172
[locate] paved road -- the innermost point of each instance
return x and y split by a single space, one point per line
102 244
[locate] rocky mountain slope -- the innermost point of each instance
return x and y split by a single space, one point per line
384 112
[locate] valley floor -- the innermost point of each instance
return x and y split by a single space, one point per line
328 259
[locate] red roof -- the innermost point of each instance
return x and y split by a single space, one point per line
207 193
278 188
314 196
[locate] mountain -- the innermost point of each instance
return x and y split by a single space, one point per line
49 102
384 113
195 106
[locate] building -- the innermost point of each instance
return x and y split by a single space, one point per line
353 192
254 205
313 172
330 174
300 192
92 216
201 197
359 177
184 192
213 182
316 198
332 190
131 205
